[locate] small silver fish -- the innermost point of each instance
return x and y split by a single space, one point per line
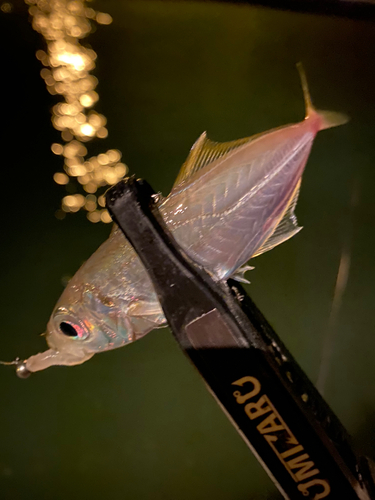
231 201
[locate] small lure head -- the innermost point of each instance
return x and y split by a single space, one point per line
21 370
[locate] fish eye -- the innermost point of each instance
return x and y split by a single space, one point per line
67 324
68 329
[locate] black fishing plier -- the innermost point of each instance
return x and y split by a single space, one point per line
268 398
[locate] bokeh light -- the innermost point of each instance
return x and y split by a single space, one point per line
66 72
7 7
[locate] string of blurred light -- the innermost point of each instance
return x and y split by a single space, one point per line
67 66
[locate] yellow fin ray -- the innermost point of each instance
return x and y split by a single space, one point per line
286 228
328 119
204 152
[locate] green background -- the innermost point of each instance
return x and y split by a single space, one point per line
138 422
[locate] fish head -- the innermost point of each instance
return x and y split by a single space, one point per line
85 321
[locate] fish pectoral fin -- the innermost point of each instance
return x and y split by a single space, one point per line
286 228
145 316
204 152
239 275
144 308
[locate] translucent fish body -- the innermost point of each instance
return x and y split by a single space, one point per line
230 208
231 201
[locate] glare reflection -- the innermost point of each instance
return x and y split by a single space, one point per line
66 72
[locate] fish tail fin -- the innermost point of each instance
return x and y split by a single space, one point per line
327 119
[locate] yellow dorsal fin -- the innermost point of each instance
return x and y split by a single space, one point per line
205 152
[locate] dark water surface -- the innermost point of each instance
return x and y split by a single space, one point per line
138 423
